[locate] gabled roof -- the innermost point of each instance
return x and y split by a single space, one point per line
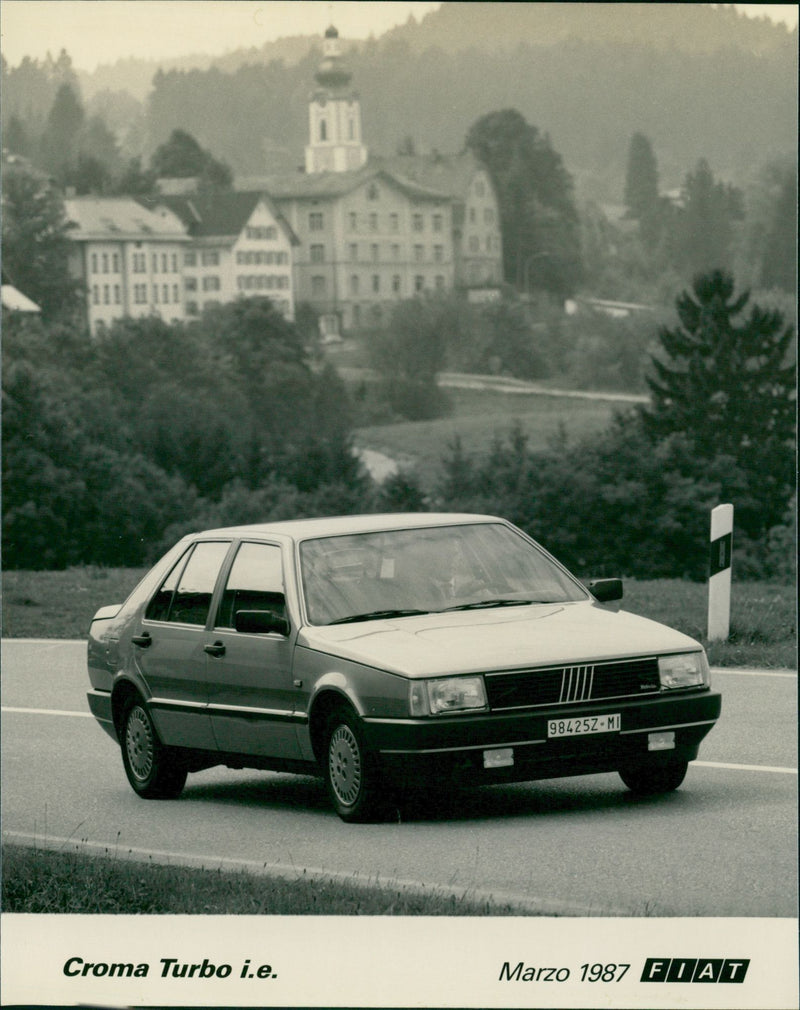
327 185
105 218
207 215
450 173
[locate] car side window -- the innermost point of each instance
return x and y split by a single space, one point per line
185 595
158 607
255 582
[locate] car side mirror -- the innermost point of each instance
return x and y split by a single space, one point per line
605 590
261 622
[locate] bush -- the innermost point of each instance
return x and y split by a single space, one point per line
410 353
108 442
612 504
497 338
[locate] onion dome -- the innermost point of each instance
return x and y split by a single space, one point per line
332 71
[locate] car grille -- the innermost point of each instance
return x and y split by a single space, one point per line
564 685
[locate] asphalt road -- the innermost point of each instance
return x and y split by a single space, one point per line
725 844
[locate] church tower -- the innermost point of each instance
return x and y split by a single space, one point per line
334 115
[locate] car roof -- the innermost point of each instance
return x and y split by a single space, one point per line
304 529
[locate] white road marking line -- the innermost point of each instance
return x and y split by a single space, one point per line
48 711
46 641
744 768
535 903
733 672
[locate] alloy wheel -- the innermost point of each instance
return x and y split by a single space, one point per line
344 762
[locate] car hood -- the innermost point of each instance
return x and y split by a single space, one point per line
540 635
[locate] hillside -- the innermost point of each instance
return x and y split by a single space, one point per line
136 75
734 106
690 28
699 80
489 27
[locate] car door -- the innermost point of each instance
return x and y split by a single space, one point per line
170 647
251 694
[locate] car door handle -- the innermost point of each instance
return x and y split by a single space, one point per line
216 649
143 640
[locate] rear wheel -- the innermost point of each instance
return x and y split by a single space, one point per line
154 771
651 778
351 775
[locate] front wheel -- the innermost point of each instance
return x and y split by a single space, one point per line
351 776
154 771
651 778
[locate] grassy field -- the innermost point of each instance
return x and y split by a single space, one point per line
71 881
763 616
61 604
477 417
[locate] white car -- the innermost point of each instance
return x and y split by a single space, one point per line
382 651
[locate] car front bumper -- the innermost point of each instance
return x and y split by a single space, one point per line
413 752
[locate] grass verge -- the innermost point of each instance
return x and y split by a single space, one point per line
61 604
763 631
71 881
763 615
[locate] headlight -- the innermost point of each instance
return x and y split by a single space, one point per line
448 694
687 670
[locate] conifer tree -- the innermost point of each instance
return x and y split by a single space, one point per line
779 267
725 380
705 225
641 180
61 137
36 245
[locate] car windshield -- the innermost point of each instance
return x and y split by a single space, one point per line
399 573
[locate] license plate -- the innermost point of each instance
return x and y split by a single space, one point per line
585 725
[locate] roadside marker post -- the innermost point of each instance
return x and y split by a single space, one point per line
719 573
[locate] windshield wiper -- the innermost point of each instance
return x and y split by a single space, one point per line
376 615
486 604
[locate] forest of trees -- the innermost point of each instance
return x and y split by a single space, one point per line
115 447
588 78
109 443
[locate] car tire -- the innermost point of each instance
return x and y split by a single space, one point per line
351 775
154 771
651 778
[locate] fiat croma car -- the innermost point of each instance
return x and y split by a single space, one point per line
387 652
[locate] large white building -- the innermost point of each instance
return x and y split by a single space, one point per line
129 258
174 256
376 230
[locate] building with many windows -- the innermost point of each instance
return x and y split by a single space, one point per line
129 258
367 240
241 245
477 241
173 256
375 230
